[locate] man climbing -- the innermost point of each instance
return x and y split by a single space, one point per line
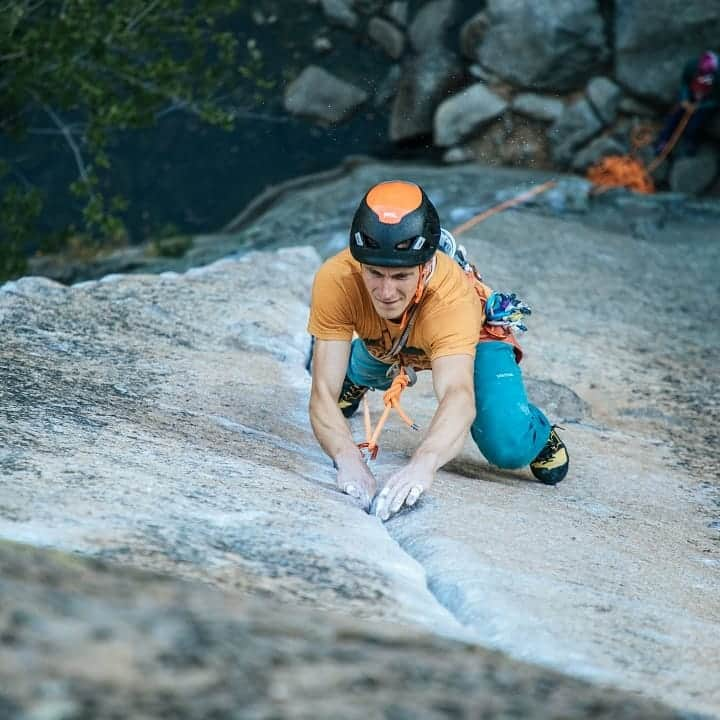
699 95
414 308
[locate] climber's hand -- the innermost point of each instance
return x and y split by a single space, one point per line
402 488
355 479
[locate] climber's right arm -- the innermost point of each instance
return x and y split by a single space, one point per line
329 364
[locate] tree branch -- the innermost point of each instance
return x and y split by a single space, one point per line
134 22
67 134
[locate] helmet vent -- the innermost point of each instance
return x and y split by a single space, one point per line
364 240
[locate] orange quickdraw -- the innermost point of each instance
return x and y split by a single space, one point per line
391 398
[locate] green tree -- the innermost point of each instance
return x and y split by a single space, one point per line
92 68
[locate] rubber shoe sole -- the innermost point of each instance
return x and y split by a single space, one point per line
551 465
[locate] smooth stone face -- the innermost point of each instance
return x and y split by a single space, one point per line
464 113
425 81
317 94
471 35
427 30
578 123
397 11
340 12
387 36
541 44
539 107
604 95
596 150
122 641
694 174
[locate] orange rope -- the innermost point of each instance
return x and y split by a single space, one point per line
628 171
503 206
391 398
620 171
679 130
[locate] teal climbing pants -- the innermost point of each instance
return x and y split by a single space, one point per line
508 430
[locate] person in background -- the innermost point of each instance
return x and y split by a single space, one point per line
699 91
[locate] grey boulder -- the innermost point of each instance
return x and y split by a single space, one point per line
538 107
388 86
543 45
461 115
397 11
425 82
693 174
340 12
578 124
605 96
471 35
428 28
599 148
387 36
317 94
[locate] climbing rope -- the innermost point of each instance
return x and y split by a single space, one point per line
629 171
503 206
620 171
402 377
391 399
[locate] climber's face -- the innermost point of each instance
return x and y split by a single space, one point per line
391 289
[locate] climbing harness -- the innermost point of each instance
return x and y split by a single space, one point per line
629 171
402 375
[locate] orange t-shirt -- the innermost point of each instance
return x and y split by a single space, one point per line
449 320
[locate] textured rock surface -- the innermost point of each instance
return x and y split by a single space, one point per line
605 96
387 36
578 124
318 94
599 148
459 116
85 639
693 174
427 30
340 12
540 107
543 45
471 35
426 80
160 422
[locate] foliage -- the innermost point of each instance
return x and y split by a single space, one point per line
91 68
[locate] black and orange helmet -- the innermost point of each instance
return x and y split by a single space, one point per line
395 225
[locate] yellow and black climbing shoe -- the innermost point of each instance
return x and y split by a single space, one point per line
551 465
350 397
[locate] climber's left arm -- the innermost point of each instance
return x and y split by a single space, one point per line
453 383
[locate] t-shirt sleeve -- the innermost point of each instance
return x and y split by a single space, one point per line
330 317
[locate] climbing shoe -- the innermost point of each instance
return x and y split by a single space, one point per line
350 397
551 465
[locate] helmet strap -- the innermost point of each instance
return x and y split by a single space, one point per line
426 271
